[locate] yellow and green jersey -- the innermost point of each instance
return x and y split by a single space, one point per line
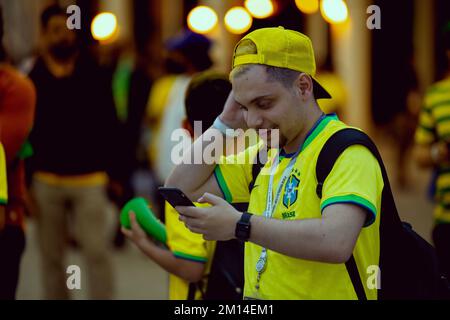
355 179
189 246
3 178
434 125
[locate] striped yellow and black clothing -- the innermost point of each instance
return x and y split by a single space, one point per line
434 125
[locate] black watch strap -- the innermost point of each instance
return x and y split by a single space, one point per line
243 227
246 217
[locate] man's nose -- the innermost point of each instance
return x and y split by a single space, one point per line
254 120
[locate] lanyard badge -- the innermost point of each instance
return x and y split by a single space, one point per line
261 264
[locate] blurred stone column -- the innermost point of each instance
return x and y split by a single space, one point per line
22 26
352 59
172 18
317 30
224 41
123 11
424 41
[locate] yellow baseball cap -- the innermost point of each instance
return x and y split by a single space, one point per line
282 48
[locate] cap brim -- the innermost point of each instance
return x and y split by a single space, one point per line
319 91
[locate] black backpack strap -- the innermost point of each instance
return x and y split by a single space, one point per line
331 151
353 272
192 290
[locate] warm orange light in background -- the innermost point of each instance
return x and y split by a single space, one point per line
104 26
307 6
260 9
238 20
202 19
334 11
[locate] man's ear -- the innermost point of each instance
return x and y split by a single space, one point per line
187 126
305 85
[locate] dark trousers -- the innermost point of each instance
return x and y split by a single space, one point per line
12 246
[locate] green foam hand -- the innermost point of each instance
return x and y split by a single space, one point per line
145 217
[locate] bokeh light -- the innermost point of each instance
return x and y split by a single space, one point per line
307 6
104 26
260 9
334 11
202 19
238 20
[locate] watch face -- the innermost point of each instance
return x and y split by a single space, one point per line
243 231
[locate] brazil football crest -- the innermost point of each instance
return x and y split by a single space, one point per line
291 191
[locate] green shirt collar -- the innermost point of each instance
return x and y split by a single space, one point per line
318 127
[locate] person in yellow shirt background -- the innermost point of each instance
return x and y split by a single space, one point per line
432 149
188 53
189 258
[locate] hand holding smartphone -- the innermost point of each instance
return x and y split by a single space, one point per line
175 197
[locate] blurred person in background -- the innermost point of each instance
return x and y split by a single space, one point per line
131 85
432 150
188 54
190 258
17 105
75 154
404 123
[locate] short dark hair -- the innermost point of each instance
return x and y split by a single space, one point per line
282 75
205 97
50 12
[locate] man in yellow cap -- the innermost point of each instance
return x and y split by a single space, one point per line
297 244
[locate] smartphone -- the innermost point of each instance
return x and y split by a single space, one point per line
175 197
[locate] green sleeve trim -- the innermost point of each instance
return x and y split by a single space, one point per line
318 130
353 199
189 257
3 202
223 185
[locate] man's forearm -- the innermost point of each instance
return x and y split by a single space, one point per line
294 238
189 176
314 239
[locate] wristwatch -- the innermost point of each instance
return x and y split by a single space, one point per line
243 227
